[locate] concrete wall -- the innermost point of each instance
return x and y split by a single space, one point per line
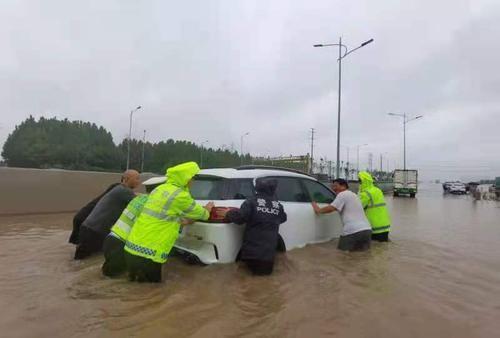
31 191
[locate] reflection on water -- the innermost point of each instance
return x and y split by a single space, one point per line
439 277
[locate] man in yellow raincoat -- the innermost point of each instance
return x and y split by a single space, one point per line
372 199
157 227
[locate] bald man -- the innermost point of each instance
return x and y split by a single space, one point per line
97 225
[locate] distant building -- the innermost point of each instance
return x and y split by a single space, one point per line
301 163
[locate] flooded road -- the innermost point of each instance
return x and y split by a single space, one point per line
440 277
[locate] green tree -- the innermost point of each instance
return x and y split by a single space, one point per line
52 143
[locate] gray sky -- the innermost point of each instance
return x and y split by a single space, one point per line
213 70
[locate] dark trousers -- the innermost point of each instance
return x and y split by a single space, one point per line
77 222
382 237
141 269
258 267
90 242
358 241
114 258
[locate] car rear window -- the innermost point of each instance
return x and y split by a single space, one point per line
239 189
218 188
207 188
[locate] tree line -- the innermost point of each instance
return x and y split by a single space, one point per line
78 145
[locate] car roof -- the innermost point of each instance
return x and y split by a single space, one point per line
155 180
251 173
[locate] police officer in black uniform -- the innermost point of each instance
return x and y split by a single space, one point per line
263 215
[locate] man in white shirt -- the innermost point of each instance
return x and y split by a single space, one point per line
356 235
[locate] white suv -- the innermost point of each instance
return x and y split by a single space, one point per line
214 241
457 188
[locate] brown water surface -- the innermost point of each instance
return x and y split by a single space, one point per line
440 277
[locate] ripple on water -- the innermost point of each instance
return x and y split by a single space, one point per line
439 277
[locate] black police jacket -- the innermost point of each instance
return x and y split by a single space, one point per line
263 215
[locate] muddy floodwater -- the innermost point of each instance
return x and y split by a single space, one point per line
440 277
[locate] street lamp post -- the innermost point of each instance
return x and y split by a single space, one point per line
201 153
143 144
405 121
241 146
341 56
130 135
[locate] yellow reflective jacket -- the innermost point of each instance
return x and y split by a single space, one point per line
157 227
372 199
125 222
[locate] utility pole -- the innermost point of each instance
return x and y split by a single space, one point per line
347 165
321 166
381 162
370 161
143 144
312 151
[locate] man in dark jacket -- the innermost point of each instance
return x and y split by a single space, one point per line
263 215
97 225
84 213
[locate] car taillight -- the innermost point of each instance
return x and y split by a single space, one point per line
214 214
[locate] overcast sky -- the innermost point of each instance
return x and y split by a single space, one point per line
213 70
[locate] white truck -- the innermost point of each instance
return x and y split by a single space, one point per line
405 182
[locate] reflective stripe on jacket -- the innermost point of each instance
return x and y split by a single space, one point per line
373 201
126 220
157 227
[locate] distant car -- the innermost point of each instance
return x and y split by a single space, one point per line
215 241
153 182
446 186
457 188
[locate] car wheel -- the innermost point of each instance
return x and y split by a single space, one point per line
193 260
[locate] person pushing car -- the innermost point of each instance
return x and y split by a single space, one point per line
263 215
157 227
